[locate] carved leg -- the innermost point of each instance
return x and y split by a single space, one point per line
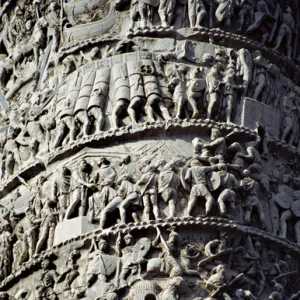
222 206
200 16
261 214
60 134
164 111
51 236
213 99
193 103
149 109
109 208
118 109
171 208
162 16
209 204
146 202
132 198
132 109
248 214
42 240
191 204
192 18
229 107
153 198
180 102
73 206
261 85
99 117
297 232
286 215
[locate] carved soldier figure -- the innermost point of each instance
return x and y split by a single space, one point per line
6 242
17 26
119 74
177 83
102 266
217 246
286 30
142 9
79 189
278 292
197 12
29 230
251 188
148 188
132 257
230 91
61 191
292 212
98 98
196 175
130 194
290 120
263 21
48 224
71 272
168 184
213 82
45 285
54 24
166 11
217 277
225 11
106 199
216 149
227 196
11 153
261 66
195 91
152 92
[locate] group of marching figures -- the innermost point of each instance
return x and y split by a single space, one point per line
237 268
223 179
263 20
161 90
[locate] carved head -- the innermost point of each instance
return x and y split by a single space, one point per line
128 239
196 163
83 165
94 52
104 162
173 237
288 10
215 133
288 259
45 264
257 246
278 288
246 173
102 245
271 256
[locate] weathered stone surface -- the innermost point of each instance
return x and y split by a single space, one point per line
149 149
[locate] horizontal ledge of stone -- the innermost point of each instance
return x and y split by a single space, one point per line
202 221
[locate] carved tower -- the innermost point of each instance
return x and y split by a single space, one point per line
149 149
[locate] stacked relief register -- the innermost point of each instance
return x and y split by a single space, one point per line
150 149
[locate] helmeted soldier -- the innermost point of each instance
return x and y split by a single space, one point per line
251 188
196 175
168 185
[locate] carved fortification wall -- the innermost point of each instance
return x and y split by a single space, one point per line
149 149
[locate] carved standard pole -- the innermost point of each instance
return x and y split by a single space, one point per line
149 149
